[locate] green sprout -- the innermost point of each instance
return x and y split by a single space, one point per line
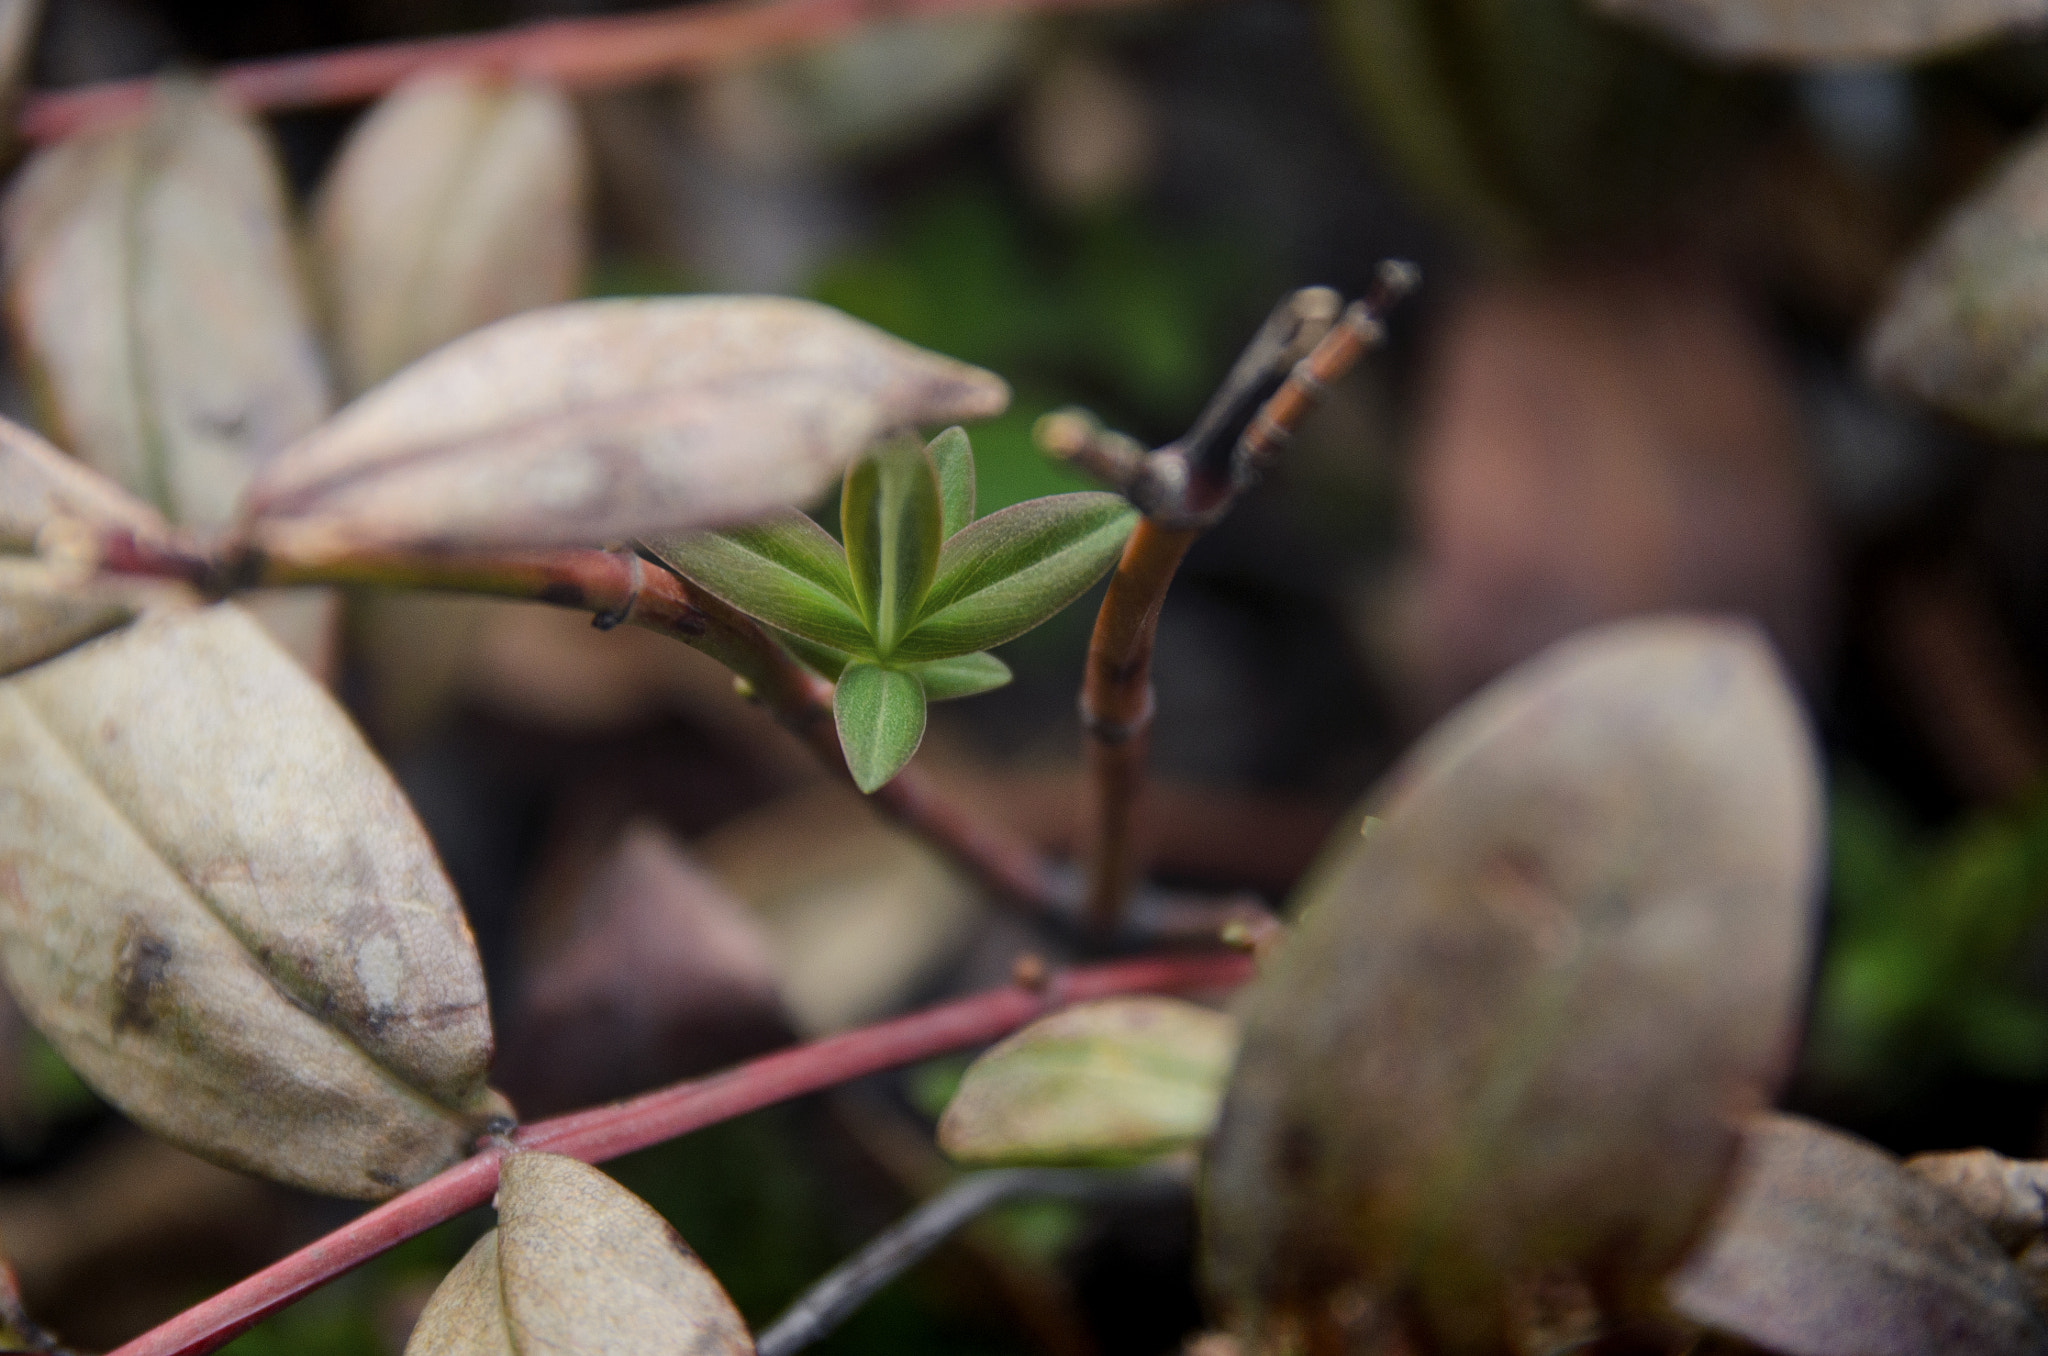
905 612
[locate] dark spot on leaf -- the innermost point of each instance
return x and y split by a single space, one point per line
140 970
386 1179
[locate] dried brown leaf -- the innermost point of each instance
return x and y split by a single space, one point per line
1828 1247
218 906
1831 30
1966 328
599 421
152 284
1572 943
456 202
578 1266
40 485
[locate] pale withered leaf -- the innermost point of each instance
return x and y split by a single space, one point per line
456 202
152 284
1574 940
1966 328
598 421
219 908
45 611
1113 1082
578 1266
1826 1246
39 484
1831 30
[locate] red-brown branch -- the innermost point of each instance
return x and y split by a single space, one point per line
585 54
619 588
607 1132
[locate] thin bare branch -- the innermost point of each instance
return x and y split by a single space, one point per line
581 54
902 1246
1183 489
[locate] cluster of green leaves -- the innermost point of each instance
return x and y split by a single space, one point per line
904 613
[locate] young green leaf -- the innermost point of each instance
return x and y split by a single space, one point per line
784 570
966 675
220 910
1105 1083
580 1265
889 514
953 457
880 714
1006 573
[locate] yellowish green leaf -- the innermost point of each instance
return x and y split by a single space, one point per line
1105 1083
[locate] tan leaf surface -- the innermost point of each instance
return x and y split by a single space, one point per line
1967 326
1117 1081
1574 941
599 421
39 484
456 202
44 611
1828 1247
1831 30
152 285
218 906
578 1266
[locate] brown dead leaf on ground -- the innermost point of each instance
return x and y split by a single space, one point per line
1827 1246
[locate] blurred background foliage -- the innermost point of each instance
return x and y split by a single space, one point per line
1631 383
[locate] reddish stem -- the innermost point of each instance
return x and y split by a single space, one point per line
607 1132
588 54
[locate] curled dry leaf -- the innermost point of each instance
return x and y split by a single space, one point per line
152 283
599 421
218 906
1828 1247
40 485
1573 942
1831 30
578 1266
1107 1083
1967 326
456 202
